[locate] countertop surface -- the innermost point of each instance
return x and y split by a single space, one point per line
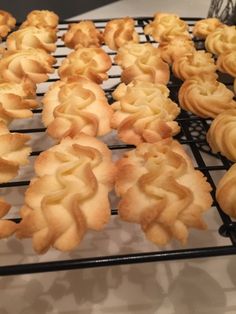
205 285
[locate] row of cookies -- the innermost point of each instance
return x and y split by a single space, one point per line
69 194
221 42
157 183
116 33
221 136
22 65
203 95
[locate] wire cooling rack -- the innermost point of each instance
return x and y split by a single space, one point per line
192 135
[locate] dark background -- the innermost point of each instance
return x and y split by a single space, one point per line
65 9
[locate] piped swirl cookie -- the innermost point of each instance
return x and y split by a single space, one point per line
34 64
222 40
41 19
149 69
129 53
226 63
32 37
92 63
221 135
120 31
193 64
175 48
69 196
225 192
161 191
82 34
7 23
166 26
144 113
204 27
16 100
142 62
14 153
204 96
74 106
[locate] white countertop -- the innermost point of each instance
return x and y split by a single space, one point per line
136 8
200 286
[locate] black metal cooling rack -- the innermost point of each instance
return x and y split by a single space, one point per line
193 131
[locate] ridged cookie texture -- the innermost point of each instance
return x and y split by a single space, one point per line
34 64
7 23
225 192
193 64
129 53
222 134
41 19
120 31
204 96
204 27
166 26
142 62
226 63
69 196
92 63
74 106
175 48
161 191
14 153
17 100
7 227
222 40
144 113
32 37
82 34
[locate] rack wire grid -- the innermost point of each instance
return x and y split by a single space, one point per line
18 258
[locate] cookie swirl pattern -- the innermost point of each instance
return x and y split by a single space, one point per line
34 64
41 19
193 64
222 40
92 63
69 195
83 34
7 23
120 31
225 192
32 37
74 106
166 26
226 63
204 96
222 133
204 27
144 113
161 191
